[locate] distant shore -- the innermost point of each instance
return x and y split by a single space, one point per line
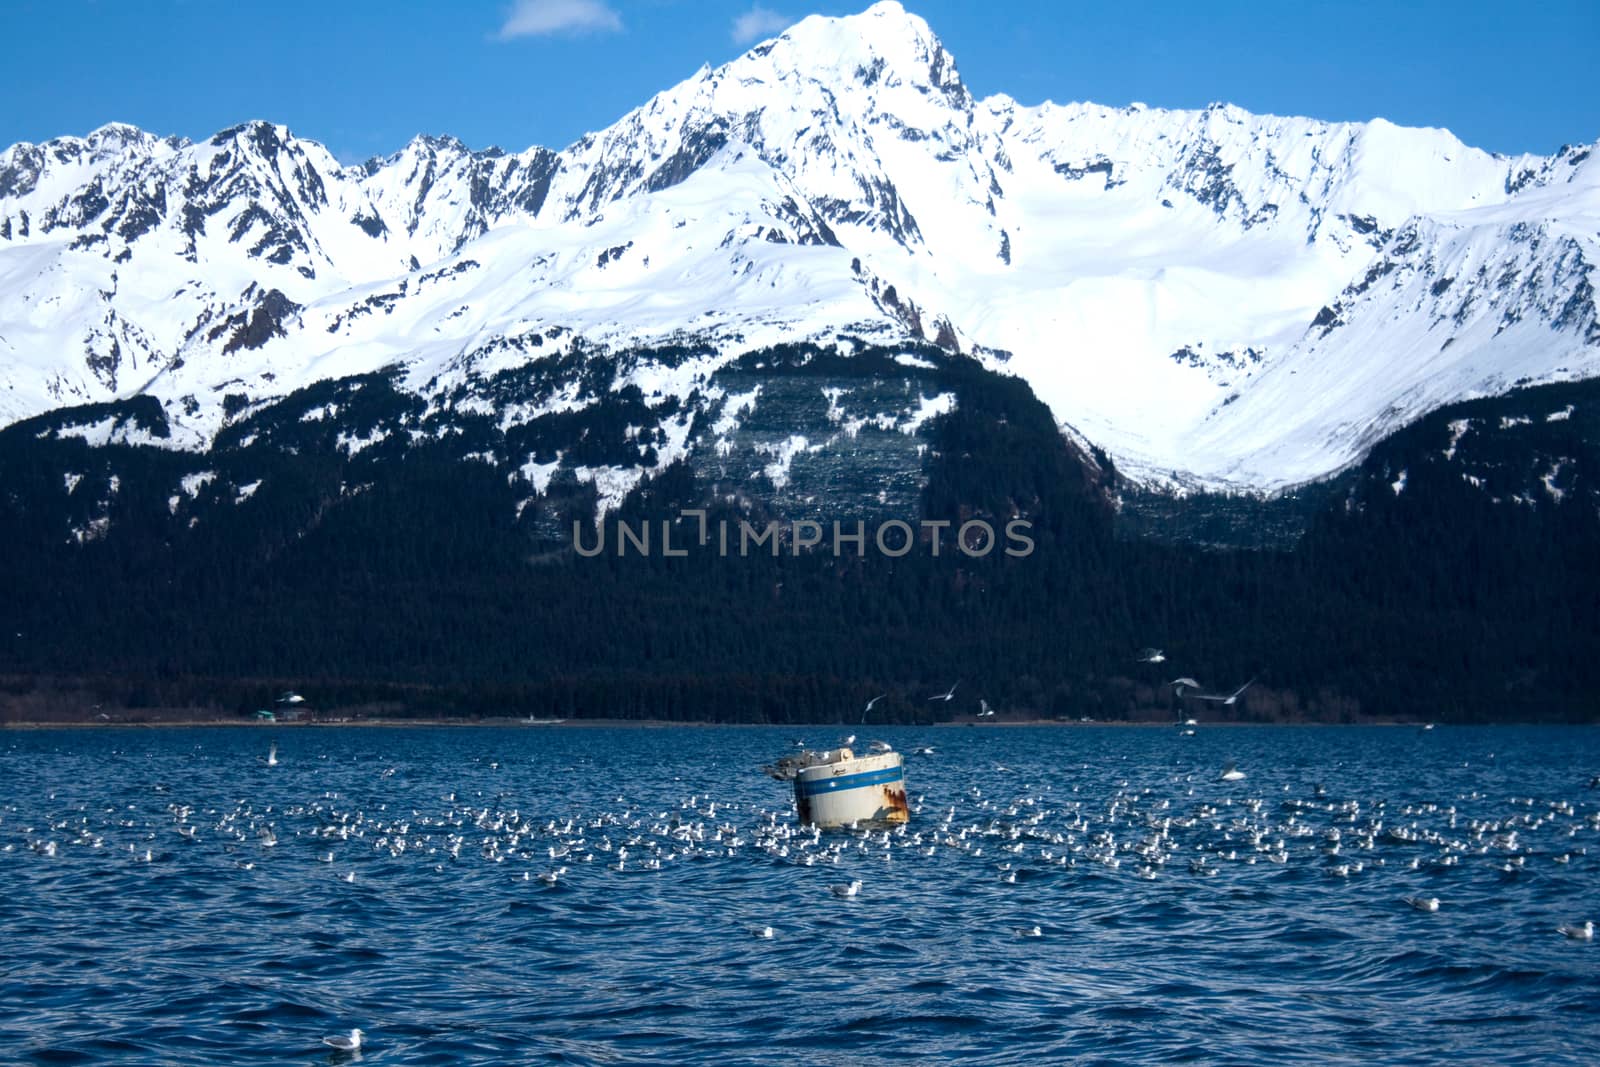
657 724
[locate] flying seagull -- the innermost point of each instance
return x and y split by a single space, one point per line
1151 655
985 711
1180 684
946 695
1230 698
871 702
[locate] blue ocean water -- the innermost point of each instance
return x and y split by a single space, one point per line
1062 895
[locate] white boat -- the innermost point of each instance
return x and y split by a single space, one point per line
837 788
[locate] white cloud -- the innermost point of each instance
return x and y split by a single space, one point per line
536 18
757 23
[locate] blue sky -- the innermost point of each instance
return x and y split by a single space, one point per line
364 76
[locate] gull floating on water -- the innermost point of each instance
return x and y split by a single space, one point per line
844 891
1423 903
343 1043
1230 773
1028 931
1579 932
764 932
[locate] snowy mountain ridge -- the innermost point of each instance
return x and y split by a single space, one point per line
1214 297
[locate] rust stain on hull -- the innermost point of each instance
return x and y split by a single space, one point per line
895 808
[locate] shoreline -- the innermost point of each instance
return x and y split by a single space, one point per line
665 724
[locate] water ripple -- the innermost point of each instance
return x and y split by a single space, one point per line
595 896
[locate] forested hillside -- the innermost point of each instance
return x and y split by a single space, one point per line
1452 575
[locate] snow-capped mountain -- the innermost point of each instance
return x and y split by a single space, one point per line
1214 297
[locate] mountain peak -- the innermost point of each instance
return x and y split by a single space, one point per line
885 43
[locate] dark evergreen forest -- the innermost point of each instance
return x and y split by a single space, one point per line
1473 593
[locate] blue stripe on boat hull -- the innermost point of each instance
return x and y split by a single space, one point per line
821 786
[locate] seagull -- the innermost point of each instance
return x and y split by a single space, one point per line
291 697
846 742
1230 698
1151 655
985 712
272 755
844 892
947 695
1230 773
1028 931
879 746
1180 684
1423 903
345 1044
871 702
1579 933
764 932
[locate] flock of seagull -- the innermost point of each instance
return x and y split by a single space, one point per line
1036 830
1183 688
1001 831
